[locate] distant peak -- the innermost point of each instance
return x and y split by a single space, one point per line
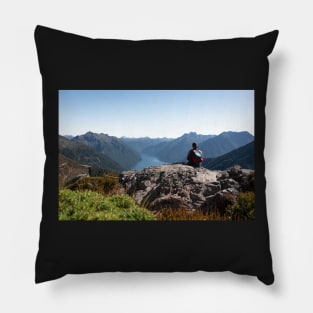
234 132
90 133
190 134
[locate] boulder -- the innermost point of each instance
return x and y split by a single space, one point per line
178 186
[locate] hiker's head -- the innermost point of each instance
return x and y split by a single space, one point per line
194 146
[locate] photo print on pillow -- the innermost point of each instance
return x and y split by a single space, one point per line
164 155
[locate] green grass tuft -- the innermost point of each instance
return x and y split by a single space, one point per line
89 205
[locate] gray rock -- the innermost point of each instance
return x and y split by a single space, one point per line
220 201
182 186
76 178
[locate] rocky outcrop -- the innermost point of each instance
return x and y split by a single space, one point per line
182 186
70 171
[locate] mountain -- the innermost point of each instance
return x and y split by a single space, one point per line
86 155
243 156
176 150
224 143
140 144
68 137
113 147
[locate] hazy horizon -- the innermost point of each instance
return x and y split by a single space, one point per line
64 135
155 113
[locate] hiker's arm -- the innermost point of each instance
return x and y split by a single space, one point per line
189 156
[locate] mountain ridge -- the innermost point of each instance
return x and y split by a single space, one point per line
177 149
111 146
141 143
85 155
242 156
224 143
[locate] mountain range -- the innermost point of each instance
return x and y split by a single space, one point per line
103 152
211 145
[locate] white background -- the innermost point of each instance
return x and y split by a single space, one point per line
288 157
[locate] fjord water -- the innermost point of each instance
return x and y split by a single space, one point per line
146 161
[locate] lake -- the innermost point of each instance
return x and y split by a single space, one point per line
146 161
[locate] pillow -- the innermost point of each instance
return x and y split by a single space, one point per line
119 99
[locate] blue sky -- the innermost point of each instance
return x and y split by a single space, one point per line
155 113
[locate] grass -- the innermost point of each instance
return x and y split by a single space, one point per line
182 214
92 206
107 184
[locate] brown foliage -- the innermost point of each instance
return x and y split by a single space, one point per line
183 214
107 184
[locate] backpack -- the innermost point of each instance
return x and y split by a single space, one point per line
197 156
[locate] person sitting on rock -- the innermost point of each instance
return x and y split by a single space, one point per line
195 156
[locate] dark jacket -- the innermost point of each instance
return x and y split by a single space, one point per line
193 159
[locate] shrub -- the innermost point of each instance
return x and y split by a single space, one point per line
243 208
183 214
248 185
107 184
89 205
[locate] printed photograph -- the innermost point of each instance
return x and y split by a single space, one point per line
156 155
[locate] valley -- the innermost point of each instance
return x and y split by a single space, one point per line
113 154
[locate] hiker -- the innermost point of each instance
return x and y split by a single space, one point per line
195 157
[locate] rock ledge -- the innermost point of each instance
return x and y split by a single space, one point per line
182 186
